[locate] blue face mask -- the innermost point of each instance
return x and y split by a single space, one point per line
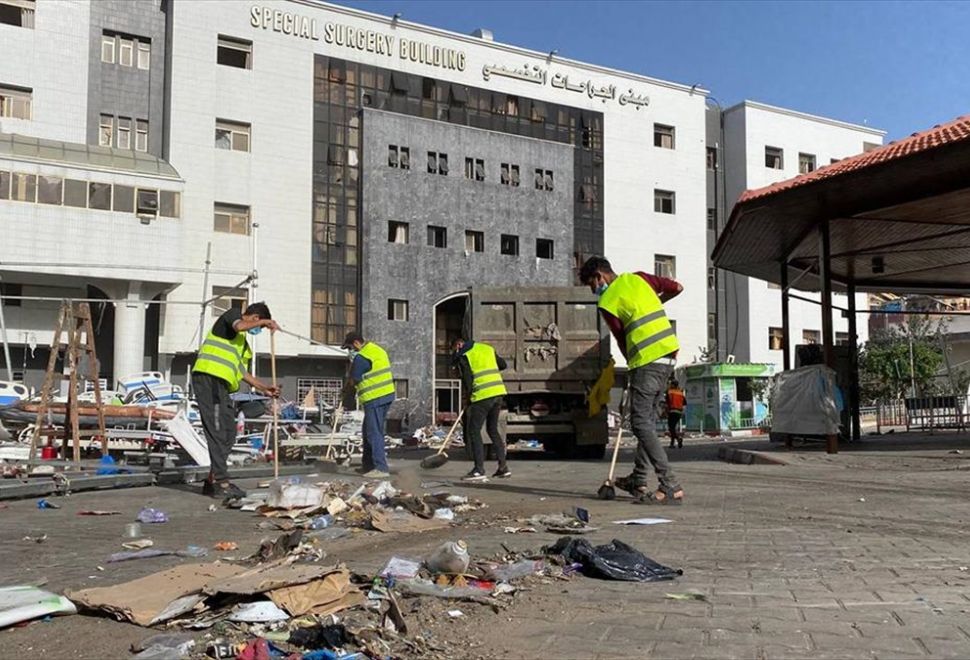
255 331
351 354
601 288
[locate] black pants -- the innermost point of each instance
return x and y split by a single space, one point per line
673 426
484 413
218 421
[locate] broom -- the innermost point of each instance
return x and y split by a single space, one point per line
608 491
440 458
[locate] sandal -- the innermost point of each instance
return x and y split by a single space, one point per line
630 486
662 496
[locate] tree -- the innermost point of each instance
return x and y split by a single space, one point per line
897 359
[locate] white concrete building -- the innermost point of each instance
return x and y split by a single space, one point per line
245 119
763 145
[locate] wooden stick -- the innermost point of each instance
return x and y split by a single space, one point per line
45 390
338 414
276 412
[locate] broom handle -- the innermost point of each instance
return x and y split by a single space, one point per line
619 436
338 414
276 411
447 442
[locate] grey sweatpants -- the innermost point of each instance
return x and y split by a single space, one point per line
647 387
218 421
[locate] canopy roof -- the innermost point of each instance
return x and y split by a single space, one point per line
129 161
898 217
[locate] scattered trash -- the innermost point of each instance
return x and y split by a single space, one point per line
336 506
261 611
615 560
862 499
561 523
107 466
455 614
44 504
444 514
689 595
152 516
333 636
24 603
321 522
289 495
226 546
148 553
514 571
963 568
213 507
420 587
36 539
450 557
403 521
400 568
133 530
642 521
140 544
955 451
99 513
320 597
164 646
330 533
520 530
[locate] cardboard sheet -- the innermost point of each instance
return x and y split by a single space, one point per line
327 596
403 521
267 577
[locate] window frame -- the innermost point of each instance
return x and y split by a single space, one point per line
12 97
110 126
660 200
774 152
540 242
807 159
237 131
661 131
141 136
434 232
143 48
478 241
123 129
124 42
510 241
233 214
394 230
659 263
394 305
112 41
237 44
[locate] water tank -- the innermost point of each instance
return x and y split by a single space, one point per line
484 34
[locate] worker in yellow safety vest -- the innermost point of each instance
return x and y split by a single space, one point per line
219 369
370 373
632 304
480 367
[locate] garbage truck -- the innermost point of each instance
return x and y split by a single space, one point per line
556 346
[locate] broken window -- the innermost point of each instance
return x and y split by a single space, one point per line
234 52
774 158
397 232
544 248
474 241
509 245
437 236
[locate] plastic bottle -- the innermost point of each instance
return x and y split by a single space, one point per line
240 424
321 522
450 557
517 570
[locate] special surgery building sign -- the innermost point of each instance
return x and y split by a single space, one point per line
348 36
539 76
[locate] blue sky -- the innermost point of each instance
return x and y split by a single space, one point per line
899 66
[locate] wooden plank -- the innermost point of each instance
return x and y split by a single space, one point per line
72 403
45 390
93 366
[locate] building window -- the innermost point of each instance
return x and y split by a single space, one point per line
106 131
16 102
774 158
231 218
811 337
397 232
663 201
543 179
19 13
776 339
401 388
169 204
665 265
50 190
99 196
806 163
475 169
124 199
510 175
4 185
75 193
23 187
226 298
147 202
663 136
437 163
397 310
544 248
399 157
232 135
144 55
234 52
711 219
326 391
712 158
841 338
126 51
141 135
124 133
11 293
437 236
711 329
108 48
710 277
474 241
509 245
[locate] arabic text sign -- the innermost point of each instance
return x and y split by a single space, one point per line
539 76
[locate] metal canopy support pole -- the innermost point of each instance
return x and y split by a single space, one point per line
825 277
785 325
853 365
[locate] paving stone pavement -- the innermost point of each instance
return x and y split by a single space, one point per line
859 555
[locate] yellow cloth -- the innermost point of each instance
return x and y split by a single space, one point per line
599 395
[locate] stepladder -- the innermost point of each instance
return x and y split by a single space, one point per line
74 336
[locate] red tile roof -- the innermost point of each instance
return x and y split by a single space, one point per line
954 131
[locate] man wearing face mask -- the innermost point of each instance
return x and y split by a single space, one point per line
370 372
632 305
219 369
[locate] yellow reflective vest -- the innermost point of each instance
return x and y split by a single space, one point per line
224 358
649 335
379 381
486 377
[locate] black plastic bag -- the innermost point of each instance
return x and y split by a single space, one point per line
614 561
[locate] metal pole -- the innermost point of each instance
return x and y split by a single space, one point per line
252 290
205 293
785 322
3 331
853 366
825 275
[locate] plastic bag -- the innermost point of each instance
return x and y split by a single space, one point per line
614 561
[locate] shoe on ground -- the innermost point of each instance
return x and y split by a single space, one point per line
208 488
680 444
631 485
502 473
228 491
362 470
376 474
475 475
